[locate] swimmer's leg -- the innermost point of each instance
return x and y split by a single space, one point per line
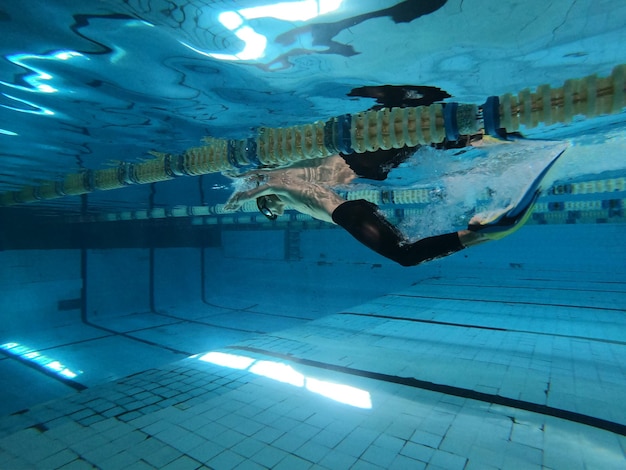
365 223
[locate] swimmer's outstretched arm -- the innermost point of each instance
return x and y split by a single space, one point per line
308 198
237 199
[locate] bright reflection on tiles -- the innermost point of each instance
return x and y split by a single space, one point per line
255 43
45 362
228 360
339 392
285 373
277 371
6 132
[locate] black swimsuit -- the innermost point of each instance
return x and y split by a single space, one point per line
377 165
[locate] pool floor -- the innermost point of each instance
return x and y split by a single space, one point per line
459 371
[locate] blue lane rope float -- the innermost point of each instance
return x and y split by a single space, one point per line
491 116
362 132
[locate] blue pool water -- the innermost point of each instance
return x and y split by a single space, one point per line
223 339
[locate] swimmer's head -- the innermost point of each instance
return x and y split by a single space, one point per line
270 206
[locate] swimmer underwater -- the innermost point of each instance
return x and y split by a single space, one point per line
305 187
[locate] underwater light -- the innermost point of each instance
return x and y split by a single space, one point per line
65 55
30 355
256 43
40 110
292 11
285 373
35 79
6 132
254 48
46 88
230 19
137 23
117 54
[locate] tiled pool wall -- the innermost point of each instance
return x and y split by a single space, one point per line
45 287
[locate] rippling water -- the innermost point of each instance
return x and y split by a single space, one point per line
86 83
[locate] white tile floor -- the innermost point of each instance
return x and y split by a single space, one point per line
351 390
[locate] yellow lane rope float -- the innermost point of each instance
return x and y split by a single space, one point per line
361 132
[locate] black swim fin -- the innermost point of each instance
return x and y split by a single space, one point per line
514 217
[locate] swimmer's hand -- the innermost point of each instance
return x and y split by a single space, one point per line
238 198
234 202
254 180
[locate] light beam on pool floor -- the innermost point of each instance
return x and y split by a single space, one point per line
285 373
